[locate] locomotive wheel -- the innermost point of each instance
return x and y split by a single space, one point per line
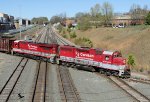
12 52
101 72
92 69
72 65
63 64
97 70
108 73
68 64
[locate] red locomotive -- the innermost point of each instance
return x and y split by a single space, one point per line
45 51
110 62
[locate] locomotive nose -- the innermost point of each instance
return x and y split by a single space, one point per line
127 72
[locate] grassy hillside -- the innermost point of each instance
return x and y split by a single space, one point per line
133 40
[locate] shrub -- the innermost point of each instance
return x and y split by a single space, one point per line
64 35
63 31
84 42
60 28
131 61
69 30
141 70
84 25
73 35
147 19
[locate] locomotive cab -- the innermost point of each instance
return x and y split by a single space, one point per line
107 57
115 63
16 44
120 61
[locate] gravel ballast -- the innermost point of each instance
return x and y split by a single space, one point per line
93 88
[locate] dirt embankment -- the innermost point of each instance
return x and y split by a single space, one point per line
133 40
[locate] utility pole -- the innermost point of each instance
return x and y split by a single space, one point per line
20 21
20 32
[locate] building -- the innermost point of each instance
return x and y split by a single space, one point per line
21 22
4 17
126 20
70 23
11 19
28 22
6 22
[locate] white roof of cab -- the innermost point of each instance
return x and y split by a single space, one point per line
108 52
18 41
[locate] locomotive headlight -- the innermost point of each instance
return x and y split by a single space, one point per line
124 61
53 50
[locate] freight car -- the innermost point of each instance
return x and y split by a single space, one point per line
109 62
6 44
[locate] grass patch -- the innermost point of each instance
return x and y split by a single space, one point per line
108 37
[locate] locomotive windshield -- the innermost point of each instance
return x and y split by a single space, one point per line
117 54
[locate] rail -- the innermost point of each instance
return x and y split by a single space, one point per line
140 81
130 90
12 81
66 85
39 93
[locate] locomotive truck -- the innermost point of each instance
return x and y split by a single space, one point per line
103 61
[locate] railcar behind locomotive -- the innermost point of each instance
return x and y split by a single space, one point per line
109 62
6 44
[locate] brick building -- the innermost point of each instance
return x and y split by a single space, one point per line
127 20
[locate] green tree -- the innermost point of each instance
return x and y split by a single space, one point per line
131 61
147 19
39 20
55 19
58 18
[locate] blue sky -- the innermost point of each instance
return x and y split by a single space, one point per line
37 8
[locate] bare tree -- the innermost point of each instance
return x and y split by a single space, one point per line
137 12
79 14
96 10
107 12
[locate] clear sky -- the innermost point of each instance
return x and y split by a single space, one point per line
37 8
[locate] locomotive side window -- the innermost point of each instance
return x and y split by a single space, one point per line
16 44
106 58
23 42
66 49
98 52
117 55
46 48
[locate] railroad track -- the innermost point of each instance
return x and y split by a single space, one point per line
51 36
40 35
61 39
39 93
67 89
136 95
140 81
40 82
9 86
130 90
